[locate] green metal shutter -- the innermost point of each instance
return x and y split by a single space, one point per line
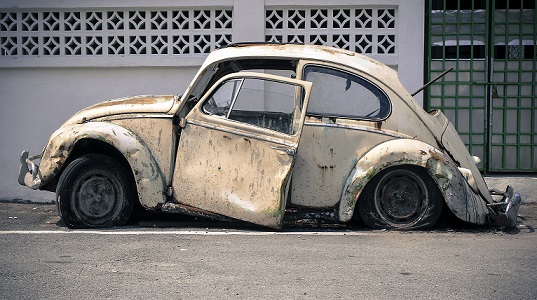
490 96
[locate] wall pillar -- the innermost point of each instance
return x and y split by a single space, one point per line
411 46
248 21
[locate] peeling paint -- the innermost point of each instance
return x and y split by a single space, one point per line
253 192
215 167
385 155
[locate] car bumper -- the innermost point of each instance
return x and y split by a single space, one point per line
29 170
506 210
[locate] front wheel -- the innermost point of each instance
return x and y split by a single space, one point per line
401 198
94 191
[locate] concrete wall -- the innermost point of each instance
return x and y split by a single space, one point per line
35 102
41 88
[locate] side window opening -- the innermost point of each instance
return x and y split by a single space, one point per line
220 101
281 67
259 102
339 94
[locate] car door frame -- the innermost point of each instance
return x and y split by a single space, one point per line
237 169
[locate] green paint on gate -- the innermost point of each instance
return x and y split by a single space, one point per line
490 96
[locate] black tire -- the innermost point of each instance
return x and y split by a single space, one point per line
404 197
95 191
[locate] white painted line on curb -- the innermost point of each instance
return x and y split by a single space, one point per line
187 232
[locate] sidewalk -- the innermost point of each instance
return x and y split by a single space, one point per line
525 186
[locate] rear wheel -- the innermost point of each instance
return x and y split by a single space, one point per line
401 198
94 191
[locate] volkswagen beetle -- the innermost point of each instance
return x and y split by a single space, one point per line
265 129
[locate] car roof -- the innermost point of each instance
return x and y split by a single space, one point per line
309 52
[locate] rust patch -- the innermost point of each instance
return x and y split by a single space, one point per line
132 101
434 112
336 51
324 168
171 207
437 155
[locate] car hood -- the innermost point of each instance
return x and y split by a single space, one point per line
131 105
446 135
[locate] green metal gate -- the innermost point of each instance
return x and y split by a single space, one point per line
490 96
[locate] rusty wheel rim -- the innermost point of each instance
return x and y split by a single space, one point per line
401 197
97 197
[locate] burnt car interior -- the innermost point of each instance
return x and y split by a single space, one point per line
229 100
335 93
227 67
259 102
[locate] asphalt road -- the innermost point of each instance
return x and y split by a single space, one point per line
166 257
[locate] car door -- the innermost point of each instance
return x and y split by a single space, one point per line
346 117
237 147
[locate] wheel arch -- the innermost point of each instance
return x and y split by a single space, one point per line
95 191
456 192
67 144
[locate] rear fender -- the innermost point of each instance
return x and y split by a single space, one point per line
461 199
149 179
457 193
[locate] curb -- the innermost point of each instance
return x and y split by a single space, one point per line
525 186
24 201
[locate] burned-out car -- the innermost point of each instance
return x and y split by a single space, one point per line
264 129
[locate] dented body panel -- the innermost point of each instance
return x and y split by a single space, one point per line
125 106
462 201
224 167
149 178
230 183
103 122
242 140
158 136
324 162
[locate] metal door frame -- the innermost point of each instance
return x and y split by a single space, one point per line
458 93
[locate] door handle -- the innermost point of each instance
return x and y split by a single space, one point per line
288 151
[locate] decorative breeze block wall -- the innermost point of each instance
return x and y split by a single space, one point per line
114 32
363 30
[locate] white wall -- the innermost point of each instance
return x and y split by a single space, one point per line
39 92
35 102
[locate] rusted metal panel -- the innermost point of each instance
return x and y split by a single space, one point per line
158 137
331 146
233 175
145 150
176 208
130 105
412 152
456 148
326 155
150 180
234 168
464 202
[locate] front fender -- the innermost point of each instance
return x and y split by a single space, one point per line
457 193
147 173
